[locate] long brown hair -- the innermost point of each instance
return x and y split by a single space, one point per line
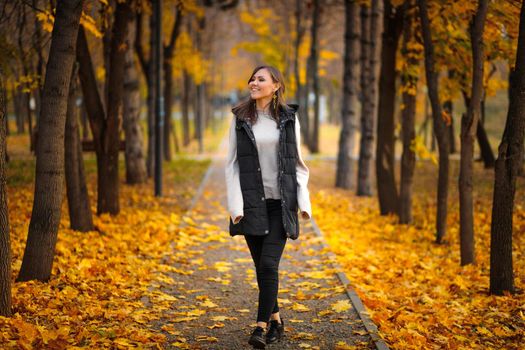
246 110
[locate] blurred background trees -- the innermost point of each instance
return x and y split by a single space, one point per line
394 80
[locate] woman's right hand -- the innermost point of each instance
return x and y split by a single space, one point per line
237 219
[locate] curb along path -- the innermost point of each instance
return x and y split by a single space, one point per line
215 289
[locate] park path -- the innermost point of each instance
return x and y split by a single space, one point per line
215 293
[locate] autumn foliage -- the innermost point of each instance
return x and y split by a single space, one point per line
416 291
100 294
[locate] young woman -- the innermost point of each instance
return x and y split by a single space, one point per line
266 181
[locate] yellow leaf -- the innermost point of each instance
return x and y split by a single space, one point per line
206 338
27 331
208 303
341 306
341 345
299 307
89 25
216 325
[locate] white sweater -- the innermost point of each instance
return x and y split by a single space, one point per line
267 139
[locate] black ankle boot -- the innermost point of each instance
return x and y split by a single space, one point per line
275 332
257 338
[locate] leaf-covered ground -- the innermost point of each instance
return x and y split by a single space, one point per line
152 277
117 287
415 290
215 287
99 279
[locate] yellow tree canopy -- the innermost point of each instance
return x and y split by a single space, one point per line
188 58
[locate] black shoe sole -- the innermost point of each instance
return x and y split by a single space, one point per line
272 341
257 342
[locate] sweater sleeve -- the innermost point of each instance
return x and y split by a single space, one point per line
302 172
233 182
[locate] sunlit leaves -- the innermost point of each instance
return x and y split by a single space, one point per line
191 7
26 83
90 25
47 20
271 43
188 58
325 58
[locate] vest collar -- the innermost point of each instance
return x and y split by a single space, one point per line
284 117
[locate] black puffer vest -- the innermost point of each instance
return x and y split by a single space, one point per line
255 220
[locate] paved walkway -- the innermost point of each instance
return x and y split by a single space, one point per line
215 304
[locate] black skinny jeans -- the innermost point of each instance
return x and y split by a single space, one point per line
266 253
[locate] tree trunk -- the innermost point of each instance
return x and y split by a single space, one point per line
208 115
314 56
6 100
105 125
136 171
80 216
148 71
106 26
363 171
5 245
169 127
92 100
168 103
385 149
333 105
27 100
40 66
468 133
186 108
424 126
84 121
20 113
151 77
508 164
370 46
345 171
448 108
299 29
200 96
408 119
199 115
34 131
108 181
440 128
305 122
24 58
45 217
486 150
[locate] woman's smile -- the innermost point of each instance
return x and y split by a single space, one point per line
261 85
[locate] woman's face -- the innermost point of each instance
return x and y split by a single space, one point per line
261 85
